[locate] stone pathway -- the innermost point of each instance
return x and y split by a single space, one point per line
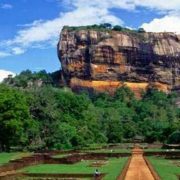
138 169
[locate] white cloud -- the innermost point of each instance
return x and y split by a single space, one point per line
4 54
6 6
127 4
168 23
17 50
105 4
162 5
42 34
4 74
45 33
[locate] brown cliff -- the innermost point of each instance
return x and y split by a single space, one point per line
106 60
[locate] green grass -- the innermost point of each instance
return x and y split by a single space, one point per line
110 151
112 168
61 155
160 150
166 169
6 157
94 146
65 155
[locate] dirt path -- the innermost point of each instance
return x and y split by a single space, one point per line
7 173
138 169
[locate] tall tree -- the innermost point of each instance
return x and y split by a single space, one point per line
14 117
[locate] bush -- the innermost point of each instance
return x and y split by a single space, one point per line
117 28
141 30
174 138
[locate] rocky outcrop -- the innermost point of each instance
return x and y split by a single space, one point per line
105 60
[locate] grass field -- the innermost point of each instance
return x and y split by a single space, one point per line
113 168
161 150
110 151
61 155
167 169
6 157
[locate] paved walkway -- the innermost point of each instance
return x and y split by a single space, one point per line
138 169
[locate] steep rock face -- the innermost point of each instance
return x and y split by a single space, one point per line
106 60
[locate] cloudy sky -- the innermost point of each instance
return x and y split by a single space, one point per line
29 29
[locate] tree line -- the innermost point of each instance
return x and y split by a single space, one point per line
45 116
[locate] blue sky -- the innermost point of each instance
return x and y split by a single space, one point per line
29 29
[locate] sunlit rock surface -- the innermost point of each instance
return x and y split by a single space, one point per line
106 60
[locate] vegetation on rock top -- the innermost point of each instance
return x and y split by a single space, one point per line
107 27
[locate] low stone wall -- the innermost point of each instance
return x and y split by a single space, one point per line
47 159
166 154
108 155
55 152
67 175
78 157
64 160
21 163
155 145
49 176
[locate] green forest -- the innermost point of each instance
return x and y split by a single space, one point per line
35 113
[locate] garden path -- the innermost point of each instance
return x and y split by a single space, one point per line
138 169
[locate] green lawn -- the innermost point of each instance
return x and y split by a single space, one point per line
6 157
160 150
94 146
112 168
110 151
166 169
65 155
61 155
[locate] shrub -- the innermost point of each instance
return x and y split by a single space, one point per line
174 138
117 28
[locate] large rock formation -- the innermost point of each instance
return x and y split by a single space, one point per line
105 60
